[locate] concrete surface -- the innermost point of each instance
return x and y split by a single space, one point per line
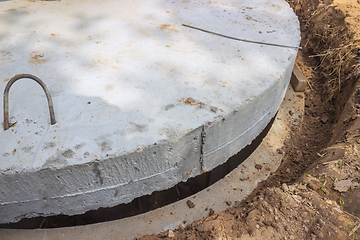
229 189
141 102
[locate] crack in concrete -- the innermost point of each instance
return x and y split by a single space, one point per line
203 138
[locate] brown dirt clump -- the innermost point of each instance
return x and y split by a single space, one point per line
315 193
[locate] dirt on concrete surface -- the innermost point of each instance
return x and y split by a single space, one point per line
315 193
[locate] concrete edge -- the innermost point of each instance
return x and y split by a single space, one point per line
229 189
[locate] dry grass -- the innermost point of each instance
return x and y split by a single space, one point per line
337 65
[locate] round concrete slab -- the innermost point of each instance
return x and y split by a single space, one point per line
141 102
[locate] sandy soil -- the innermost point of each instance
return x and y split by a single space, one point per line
315 193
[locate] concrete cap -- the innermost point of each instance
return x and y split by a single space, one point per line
141 102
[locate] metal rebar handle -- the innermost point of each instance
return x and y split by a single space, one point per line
6 98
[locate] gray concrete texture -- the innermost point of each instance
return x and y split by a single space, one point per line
138 109
228 190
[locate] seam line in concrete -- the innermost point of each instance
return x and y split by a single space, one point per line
85 192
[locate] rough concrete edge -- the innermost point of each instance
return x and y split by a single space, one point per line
103 193
171 216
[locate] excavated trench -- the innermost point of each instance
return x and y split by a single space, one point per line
330 60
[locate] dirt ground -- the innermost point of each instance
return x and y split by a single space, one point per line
315 193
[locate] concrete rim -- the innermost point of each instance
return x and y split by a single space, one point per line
211 96
214 197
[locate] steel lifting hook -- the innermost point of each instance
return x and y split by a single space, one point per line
6 98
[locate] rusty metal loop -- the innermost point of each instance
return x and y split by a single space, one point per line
6 98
